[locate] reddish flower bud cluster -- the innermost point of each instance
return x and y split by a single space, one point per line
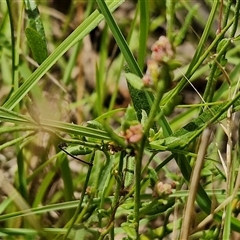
162 189
162 52
133 134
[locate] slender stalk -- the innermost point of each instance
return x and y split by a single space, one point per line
226 12
75 216
138 166
226 220
212 81
115 202
12 39
188 213
199 58
101 72
20 156
170 9
143 31
137 189
236 18
106 231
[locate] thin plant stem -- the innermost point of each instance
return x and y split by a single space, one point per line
226 13
230 175
236 18
212 81
12 39
188 213
143 32
137 188
75 216
140 151
170 10
199 58
115 202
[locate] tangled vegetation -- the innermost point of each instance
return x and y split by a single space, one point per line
119 119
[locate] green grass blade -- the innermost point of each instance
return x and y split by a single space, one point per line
12 38
143 32
75 129
10 116
170 10
90 23
136 95
121 42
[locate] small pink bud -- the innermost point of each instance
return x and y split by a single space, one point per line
133 134
162 50
147 81
162 189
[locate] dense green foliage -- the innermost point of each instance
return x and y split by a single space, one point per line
119 120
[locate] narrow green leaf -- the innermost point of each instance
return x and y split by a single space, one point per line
186 134
35 33
143 32
182 32
37 45
141 99
48 124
